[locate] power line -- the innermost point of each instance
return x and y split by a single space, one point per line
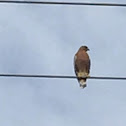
63 3
59 76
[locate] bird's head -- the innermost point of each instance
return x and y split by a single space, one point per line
85 48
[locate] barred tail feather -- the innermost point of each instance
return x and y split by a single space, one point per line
82 83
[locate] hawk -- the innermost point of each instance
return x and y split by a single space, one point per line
82 65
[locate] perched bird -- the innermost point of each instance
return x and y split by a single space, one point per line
82 65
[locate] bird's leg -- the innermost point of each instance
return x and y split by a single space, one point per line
87 75
81 74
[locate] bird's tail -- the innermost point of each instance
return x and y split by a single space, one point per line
82 83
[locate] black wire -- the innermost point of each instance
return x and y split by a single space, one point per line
59 76
63 3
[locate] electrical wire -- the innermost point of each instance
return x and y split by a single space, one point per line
59 76
63 3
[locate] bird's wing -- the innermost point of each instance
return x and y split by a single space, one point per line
76 69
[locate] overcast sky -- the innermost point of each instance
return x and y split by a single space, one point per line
42 39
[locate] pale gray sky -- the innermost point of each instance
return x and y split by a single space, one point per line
42 39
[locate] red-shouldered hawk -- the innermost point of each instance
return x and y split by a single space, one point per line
82 65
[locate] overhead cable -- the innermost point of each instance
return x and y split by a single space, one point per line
63 3
59 76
